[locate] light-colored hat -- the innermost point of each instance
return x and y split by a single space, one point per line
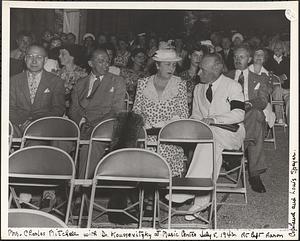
141 34
165 45
168 55
207 43
88 35
237 35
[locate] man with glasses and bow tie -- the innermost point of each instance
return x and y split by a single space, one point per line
34 93
256 100
95 98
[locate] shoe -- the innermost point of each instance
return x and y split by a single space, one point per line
280 121
256 184
48 201
190 217
180 197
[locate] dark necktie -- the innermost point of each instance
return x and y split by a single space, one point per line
209 93
241 80
95 86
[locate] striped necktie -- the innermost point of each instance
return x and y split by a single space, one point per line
241 80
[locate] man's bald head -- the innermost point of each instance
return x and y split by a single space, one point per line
37 49
35 58
99 62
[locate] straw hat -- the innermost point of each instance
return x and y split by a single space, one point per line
168 55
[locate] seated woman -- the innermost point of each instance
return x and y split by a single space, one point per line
161 98
190 76
280 65
122 55
70 72
134 71
258 68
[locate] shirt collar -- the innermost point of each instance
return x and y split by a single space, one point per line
277 59
216 83
93 76
37 75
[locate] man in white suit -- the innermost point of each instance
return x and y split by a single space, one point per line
217 99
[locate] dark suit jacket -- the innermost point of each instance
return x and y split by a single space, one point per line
229 60
49 99
104 102
257 97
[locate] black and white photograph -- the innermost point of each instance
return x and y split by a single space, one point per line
149 120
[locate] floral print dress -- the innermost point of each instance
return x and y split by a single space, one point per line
154 110
70 78
121 60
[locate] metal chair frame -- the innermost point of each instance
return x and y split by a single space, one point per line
75 137
174 133
133 166
237 184
29 218
102 133
23 171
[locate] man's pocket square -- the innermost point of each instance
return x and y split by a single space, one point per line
47 91
112 89
257 86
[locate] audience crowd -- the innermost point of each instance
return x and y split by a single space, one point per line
229 78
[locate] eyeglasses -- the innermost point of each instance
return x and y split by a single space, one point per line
36 57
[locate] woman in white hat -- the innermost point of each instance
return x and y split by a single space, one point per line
160 98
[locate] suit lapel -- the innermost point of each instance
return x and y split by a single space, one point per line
252 82
42 86
24 86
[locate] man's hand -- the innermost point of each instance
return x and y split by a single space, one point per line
208 120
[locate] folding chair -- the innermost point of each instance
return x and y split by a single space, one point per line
53 129
191 131
29 218
103 133
279 103
43 167
130 165
128 102
10 137
233 180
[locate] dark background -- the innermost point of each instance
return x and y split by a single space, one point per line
160 21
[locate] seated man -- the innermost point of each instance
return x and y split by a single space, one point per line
17 55
94 99
217 99
34 93
256 100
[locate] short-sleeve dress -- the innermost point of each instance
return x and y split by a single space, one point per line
173 102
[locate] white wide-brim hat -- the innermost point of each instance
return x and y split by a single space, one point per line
166 55
237 35
88 35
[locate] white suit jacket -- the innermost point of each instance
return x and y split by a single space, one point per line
227 106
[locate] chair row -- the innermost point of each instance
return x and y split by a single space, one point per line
180 131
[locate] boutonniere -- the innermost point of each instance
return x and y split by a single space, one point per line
112 89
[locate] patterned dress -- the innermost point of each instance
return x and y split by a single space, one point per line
191 82
131 77
173 102
70 78
121 60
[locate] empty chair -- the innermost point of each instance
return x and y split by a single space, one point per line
62 130
191 131
29 218
130 165
43 167
233 179
103 133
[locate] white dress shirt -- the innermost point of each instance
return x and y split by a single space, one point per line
245 73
